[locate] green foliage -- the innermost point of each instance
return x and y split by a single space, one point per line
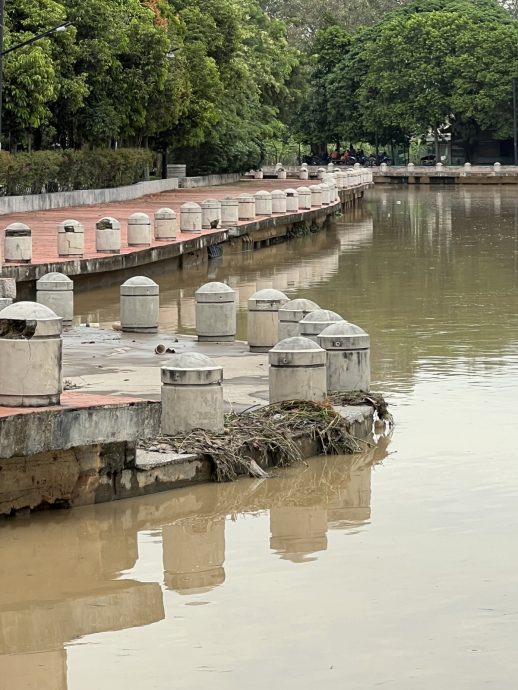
426 65
52 171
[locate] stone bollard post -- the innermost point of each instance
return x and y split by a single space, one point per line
383 168
316 195
139 230
263 307
190 217
297 370
56 292
410 167
229 211
321 173
210 214
71 238
291 313
263 203
139 305
215 313
497 167
351 177
330 167
281 174
304 198
258 174
292 200
192 394
326 193
348 357
439 166
304 174
341 179
246 207
312 325
31 355
18 244
7 291
108 236
278 201
467 167
165 224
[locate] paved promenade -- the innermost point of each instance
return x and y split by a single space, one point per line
44 224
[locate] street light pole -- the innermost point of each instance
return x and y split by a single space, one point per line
515 123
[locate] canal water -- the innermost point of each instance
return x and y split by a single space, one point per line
397 568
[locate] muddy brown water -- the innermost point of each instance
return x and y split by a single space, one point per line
397 568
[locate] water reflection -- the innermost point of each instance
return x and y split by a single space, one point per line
69 575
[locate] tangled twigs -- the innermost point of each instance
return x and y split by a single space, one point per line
265 437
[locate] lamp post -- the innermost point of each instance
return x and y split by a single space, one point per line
515 123
54 30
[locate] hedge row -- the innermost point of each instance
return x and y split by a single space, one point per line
63 171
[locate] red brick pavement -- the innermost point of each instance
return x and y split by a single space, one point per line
72 401
44 224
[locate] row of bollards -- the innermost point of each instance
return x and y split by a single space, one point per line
194 218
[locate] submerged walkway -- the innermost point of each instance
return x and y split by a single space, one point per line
44 225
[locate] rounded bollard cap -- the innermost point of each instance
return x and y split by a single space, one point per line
315 322
139 286
297 352
303 190
268 299
344 336
296 309
165 214
71 225
263 194
54 281
24 320
278 194
139 219
190 207
17 230
215 292
211 203
191 369
291 192
246 197
230 201
108 223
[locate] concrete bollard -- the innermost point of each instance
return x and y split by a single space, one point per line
18 244
71 238
139 230
7 291
312 325
316 195
439 166
291 313
348 357
341 179
297 370
165 224
467 167
292 200
330 167
263 307
304 174
108 236
139 305
210 214
229 211
497 167
321 173
263 203
410 167
304 198
281 174
330 193
278 201
192 394
56 292
190 217
246 207
258 174
31 355
215 313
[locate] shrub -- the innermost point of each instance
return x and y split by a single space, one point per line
63 171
